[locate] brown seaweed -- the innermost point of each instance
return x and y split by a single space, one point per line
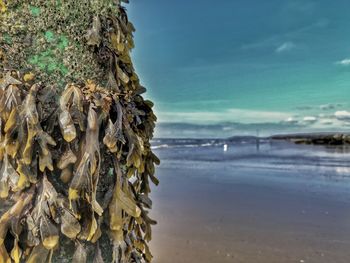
78 166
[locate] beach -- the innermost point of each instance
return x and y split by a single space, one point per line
279 203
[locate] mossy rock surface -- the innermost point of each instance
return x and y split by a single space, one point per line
50 38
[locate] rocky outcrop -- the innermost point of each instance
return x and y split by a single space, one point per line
316 139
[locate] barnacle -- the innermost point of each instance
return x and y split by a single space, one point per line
95 136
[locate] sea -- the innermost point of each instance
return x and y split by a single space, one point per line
280 158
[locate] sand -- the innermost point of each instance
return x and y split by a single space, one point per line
215 212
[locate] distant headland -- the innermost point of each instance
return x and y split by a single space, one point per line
315 138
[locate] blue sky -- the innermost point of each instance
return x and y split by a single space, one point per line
235 65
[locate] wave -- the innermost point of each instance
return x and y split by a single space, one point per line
193 143
162 146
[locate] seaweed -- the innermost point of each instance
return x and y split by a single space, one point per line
75 155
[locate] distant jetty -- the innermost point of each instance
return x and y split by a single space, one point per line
315 138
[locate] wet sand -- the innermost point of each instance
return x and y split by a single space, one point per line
215 212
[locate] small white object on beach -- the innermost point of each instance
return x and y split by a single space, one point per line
225 147
302 261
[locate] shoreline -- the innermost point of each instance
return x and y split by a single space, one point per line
313 138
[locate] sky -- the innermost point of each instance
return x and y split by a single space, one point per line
229 67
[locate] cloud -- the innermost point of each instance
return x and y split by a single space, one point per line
238 121
286 46
304 108
326 122
276 40
342 115
326 116
229 115
291 120
223 130
328 107
309 119
258 116
345 62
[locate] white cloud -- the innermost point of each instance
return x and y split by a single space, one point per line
286 46
229 115
258 116
342 115
310 119
344 62
291 120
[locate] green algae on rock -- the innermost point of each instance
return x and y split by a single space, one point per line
53 38
75 132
